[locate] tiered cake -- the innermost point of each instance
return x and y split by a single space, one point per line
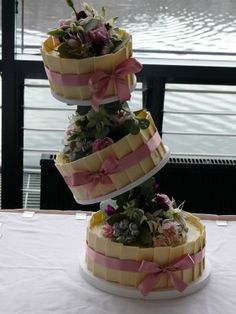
140 238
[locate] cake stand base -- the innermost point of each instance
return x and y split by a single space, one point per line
131 292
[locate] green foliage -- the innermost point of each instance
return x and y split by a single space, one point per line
143 123
115 218
90 23
57 32
147 189
134 128
145 237
105 41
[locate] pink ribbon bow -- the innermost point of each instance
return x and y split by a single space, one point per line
99 81
154 271
109 166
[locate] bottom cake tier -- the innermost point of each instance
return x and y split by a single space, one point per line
147 269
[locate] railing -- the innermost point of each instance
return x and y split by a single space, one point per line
157 72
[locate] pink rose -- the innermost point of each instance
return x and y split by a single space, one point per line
98 35
107 231
99 144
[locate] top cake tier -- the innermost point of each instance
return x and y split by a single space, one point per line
88 60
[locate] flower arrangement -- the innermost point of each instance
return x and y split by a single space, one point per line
144 217
91 131
88 33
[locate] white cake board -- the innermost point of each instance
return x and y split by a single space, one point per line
132 292
86 103
129 186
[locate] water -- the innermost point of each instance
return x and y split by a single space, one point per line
206 26
183 25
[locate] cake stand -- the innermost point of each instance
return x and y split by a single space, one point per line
133 293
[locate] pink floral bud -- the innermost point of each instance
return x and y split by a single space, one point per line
163 200
65 23
99 144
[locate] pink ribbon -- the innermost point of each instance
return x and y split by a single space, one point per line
152 269
112 165
109 166
98 82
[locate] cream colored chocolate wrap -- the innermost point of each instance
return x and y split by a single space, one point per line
106 63
195 242
129 144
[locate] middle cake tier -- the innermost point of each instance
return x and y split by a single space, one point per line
114 167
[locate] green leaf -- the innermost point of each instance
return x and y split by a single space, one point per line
73 137
143 123
122 199
121 43
91 24
145 236
57 32
88 9
113 107
91 124
138 112
147 190
152 206
134 129
115 218
70 3
103 133
103 12
125 107
72 145
137 215
64 51
82 110
112 20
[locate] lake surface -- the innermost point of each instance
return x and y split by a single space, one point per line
204 26
182 25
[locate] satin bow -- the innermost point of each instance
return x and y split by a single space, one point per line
109 166
99 81
154 271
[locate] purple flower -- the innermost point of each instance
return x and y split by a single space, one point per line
163 201
81 15
109 210
98 35
99 144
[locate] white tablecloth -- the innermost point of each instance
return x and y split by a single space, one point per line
39 271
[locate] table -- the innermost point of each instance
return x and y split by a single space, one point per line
39 270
